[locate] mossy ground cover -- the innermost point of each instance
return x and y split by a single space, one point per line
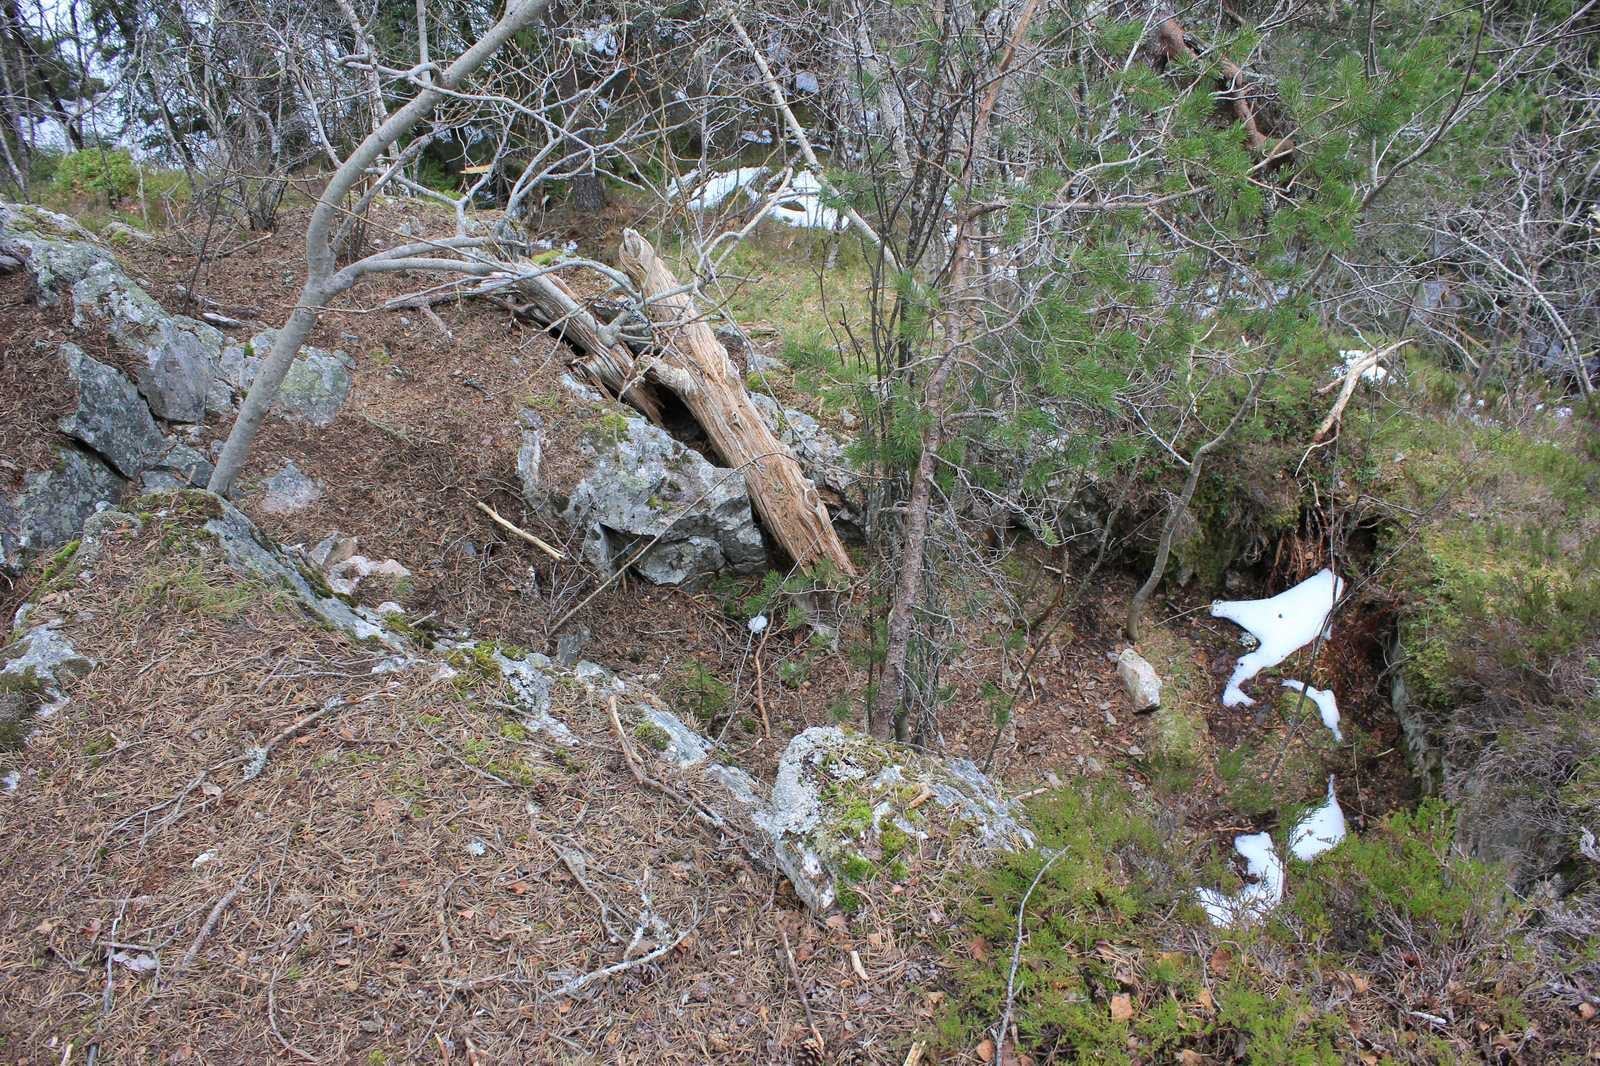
1391 948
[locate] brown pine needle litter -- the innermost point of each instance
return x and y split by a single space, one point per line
413 876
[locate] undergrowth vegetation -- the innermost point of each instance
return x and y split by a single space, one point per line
1393 947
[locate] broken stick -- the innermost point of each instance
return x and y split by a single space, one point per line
494 516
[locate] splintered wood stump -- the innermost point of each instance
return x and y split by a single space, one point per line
611 366
694 365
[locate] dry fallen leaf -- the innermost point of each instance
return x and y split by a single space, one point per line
1207 1003
1586 1011
979 949
1122 1007
986 1051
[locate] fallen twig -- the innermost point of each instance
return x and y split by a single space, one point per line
582 981
205 931
805 1002
494 516
1016 960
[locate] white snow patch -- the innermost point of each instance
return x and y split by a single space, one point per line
203 858
1283 624
1372 375
710 194
800 205
1255 899
11 781
806 82
1325 702
1320 830
601 39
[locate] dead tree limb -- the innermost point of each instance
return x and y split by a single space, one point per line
694 365
610 365
1234 91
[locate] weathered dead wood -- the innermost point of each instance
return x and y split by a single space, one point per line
552 302
1174 47
695 366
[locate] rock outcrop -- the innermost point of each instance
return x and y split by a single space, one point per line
110 417
183 371
314 389
639 485
846 807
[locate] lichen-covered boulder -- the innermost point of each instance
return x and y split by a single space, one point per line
179 466
639 483
110 416
53 504
846 808
314 389
56 250
178 354
35 667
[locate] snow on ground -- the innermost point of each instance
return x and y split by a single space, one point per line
1320 830
1257 898
1326 704
1372 375
800 205
1283 624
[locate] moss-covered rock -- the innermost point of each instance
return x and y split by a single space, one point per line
837 793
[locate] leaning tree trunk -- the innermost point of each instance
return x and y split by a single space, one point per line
694 365
611 366
322 282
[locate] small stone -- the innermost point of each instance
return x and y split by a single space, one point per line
290 490
1135 750
1140 680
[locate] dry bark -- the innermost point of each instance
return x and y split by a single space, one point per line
1235 91
693 364
611 366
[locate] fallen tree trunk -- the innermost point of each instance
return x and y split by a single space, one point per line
694 365
550 302
611 366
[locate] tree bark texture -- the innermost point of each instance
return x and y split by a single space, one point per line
693 364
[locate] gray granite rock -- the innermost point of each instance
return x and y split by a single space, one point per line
110 416
178 467
178 354
837 792
56 250
314 389
290 490
639 483
54 503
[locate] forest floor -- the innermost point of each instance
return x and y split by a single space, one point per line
360 836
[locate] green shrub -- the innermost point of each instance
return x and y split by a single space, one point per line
107 172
